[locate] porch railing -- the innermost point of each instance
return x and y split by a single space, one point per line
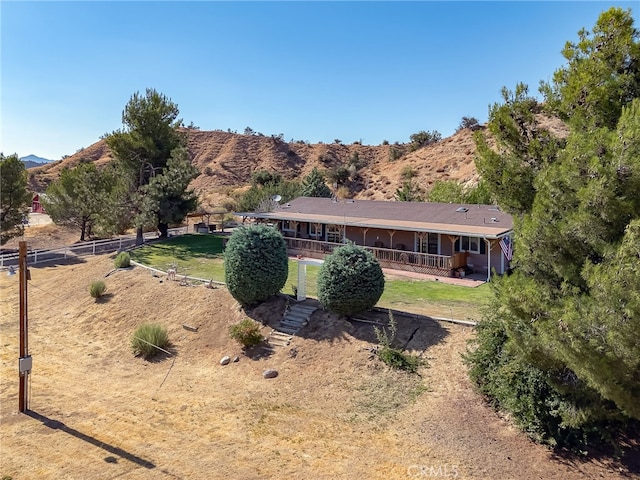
388 258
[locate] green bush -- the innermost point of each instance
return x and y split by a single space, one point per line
246 332
123 260
398 359
97 288
395 153
146 336
256 264
350 280
394 357
537 400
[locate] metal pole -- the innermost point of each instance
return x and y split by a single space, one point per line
24 325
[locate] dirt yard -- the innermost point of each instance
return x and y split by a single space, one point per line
334 412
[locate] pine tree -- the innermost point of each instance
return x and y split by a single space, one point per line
567 321
313 185
143 149
15 199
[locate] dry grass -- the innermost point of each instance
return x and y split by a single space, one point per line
333 412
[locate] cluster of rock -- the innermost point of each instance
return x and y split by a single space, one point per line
269 373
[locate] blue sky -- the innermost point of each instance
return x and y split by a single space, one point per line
314 71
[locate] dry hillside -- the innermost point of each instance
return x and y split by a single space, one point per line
227 160
333 412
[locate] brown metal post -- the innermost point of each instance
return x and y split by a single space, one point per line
24 343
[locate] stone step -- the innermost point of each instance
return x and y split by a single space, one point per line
302 308
297 326
297 320
279 343
276 333
296 316
289 330
289 318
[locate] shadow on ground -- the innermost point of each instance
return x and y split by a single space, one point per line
414 332
117 451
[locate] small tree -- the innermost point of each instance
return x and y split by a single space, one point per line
394 357
256 265
446 191
350 280
81 198
468 122
14 197
410 192
422 139
313 185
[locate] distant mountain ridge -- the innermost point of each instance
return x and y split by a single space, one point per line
31 161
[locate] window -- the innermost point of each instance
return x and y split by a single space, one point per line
334 234
429 244
432 244
315 230
471 245
286 225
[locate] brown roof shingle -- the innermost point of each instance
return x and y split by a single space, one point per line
461 219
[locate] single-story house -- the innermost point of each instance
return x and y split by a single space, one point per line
436 238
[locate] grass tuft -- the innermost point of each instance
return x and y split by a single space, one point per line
147 337
97 289
123 260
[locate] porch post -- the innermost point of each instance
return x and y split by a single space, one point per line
488 258
364 236
391 234
421 240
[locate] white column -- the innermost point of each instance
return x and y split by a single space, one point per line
488 258
302 281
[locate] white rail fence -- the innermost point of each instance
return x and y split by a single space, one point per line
95 247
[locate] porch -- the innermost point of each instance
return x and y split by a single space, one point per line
424 263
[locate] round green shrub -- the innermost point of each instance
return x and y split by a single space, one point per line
256 265
246 332
123 260
350 280
146 336
97 288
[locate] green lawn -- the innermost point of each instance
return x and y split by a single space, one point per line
195 255
200 255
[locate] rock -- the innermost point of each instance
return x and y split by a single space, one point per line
225 360
236 359
270 373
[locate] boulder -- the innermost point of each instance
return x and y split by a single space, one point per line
270 373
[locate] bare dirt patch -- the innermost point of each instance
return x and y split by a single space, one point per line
333 412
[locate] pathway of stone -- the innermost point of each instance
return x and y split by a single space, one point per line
295 317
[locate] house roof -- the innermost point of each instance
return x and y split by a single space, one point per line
447 218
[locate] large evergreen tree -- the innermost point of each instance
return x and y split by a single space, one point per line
15 199
143 149
569 316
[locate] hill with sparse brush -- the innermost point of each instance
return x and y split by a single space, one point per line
226 162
